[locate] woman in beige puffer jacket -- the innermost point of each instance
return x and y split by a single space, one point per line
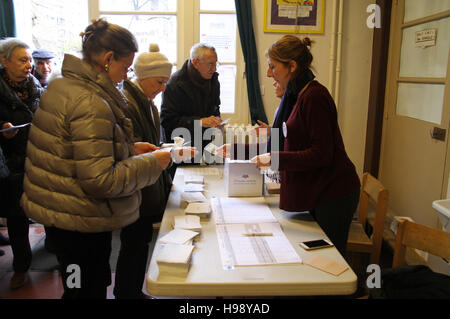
82 177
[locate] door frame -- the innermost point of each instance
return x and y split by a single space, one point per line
377 92
393 78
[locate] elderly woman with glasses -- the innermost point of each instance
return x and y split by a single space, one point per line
19 98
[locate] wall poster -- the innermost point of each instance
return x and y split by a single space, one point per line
294 16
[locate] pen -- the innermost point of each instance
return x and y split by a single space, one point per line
257 234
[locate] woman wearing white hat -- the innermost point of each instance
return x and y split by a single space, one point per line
152 71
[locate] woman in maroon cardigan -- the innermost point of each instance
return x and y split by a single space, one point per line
316 173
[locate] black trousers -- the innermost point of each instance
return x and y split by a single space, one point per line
132 260
88 251
335 217
11 189
18 228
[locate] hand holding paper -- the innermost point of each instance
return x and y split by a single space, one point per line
144 147
9 130
180 154
261 161
262 130
224 151
163 158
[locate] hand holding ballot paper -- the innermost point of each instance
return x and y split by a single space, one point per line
261 161
9 130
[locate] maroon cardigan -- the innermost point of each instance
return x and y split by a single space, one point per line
314 165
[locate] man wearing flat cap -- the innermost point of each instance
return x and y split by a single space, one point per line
42 65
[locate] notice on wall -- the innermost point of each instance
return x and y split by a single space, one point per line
426 38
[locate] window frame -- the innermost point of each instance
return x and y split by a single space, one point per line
188 33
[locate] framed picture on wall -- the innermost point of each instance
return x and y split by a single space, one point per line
294 16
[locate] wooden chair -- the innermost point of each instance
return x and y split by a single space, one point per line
413 235
358 240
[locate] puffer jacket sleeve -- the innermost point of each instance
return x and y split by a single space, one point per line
104 167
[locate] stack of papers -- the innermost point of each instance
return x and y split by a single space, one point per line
179 236
193 188
193 179
191 197
174 260
201 210
189 222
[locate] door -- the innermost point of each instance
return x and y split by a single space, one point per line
414 149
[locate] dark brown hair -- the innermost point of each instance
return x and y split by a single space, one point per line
291 48
101 36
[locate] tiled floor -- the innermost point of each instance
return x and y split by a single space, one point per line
43 284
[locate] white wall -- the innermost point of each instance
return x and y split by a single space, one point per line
355 73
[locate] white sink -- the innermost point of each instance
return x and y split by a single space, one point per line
443 208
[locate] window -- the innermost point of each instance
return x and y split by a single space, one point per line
150 22
175 25
52 24
218 27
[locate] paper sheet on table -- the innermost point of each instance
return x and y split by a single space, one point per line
204 171
189 222
178 236
193 197
238 249
326 265
193 188
230 210
193 179
172 253
198 209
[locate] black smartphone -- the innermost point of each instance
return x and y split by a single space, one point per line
316 244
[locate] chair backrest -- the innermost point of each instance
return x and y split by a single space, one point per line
373 191
413 235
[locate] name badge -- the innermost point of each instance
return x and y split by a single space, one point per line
285 129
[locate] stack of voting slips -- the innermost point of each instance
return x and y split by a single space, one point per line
189 222
174 260
193 187
201 210
178 236
193 183
191 197
193 179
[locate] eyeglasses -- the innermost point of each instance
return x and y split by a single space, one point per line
211 65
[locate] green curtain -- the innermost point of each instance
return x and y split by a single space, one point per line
245 25
7 20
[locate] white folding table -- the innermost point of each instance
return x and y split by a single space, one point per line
208 277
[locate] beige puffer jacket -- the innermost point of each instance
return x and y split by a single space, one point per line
80 172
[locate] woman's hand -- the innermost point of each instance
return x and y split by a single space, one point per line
144 147
9 134
224 151
181 154
262 130
261 161
163 158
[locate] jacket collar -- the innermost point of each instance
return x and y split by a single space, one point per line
74 67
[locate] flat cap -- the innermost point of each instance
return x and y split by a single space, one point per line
42 54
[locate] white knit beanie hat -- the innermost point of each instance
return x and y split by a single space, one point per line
152 64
